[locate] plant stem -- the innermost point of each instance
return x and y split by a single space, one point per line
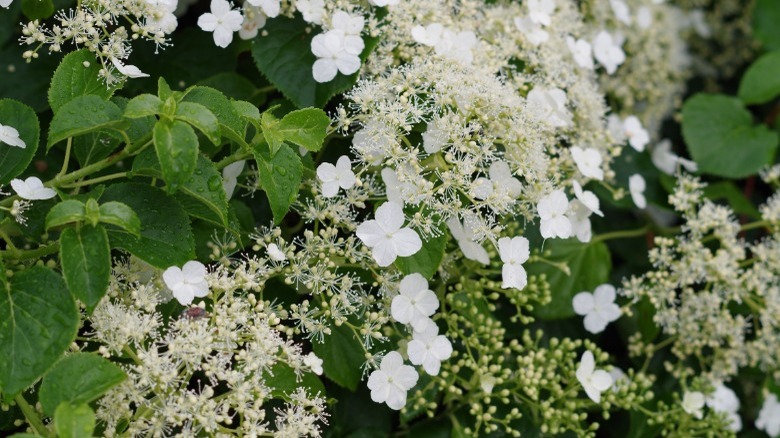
64 169
230 159
22 254
622 234
99 179
32 417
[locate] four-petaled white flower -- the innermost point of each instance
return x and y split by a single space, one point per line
514 252
230 175
667 161
10 136
769 417
254 20
270 7
335 177
428 348
385 236
351 25
414 303
638 137
587 198
533 31
593 381
222 20
275 254
314 363
608 52
637 186
539 11
693 403
550 106
579 216
582 52
599 307
622 13
32 189
391 381
588 162
130 71
429 35
552 212
447 43
464 235
187 282
501 182
724 400
335 52
312 10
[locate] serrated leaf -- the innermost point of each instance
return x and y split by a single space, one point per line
14 160
201 118
306 128
216 102
65 212
589 266
86 263
143 105
74 421
761 81
82 115
269 125
139 130
77 75
78 378
176 146
166 237
119 214
247 111
427 260
280 176
722 139
342 356
38 321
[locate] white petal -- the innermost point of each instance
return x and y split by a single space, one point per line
474 251
583 303
208 22
222 36
406 242
324 70
390 216
193 271
396 399
347 63
601 380
513 276
401 309
384 252
172 277
330 188
594 323
604 294
371 233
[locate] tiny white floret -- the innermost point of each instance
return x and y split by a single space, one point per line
414 302
386 237
636 186
599 307
693 403
514 252
335 177
10 136
390 383
428 348
593 381
32 189
187 282
223 21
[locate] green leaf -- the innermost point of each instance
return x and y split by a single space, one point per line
93 147
38 321
269 124
177 151
722 139
82 115
306 128
589 265
14 160
65 212
201 118
119 214
77 75
761 81
246 111
766 15
283 54
37 9
342 356
284 381
232 85
140 129
216 102
74 421
143 105
427 260
78 378
166 237
86 263
280 176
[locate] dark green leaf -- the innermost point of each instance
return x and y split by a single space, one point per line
166 238
232 85
766 15
13 160
77 75
722 139
201 118
65 212
761 81
86 263
38 321
216 102
342 356
589 265
37 9
139 129
427 260
93 147
284 381
177 151
119 214
280 176
78 378
82 115
144 105
72 421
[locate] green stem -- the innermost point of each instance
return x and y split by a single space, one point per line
22 254
622 234
99 179
65 161
31 416
238 156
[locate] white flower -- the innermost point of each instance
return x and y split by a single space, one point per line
428 348
383 3
270 7
313 362
618 378
230 175
351 25
335 177
391 381
374 141
501 182
638 137
593 381
579 216
385 236
222 20
615 128
415 302
335 52
392 186
607 52
587 198
599 307
457 46
724 400
130 71
6 3
434 138
429 35
582 52
275 254
312 10
550 106
667 161
539 11
188 282
552 211
514 252
254 20
464 235
533 31
769 417
693 403
622 13
162 19
644 17
636 186
10 136
588 162
32 189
